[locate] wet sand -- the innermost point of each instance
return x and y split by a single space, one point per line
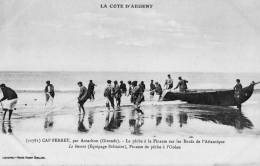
170 120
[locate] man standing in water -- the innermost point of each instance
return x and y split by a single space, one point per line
169 82
117 93
11 96
49 92
237 92
182 85
158 90
82 97
123 87
129 88
108 93
91 90
152 89
138 96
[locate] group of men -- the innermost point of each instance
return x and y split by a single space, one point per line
112 93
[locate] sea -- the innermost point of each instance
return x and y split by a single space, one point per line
163 120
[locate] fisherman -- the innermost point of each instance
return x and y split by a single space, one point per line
91 90
237 92
11 97
142 86
123 87
182 85
129 88
137 96
49 92
108 93
117 93
152 89
169 82
158 90
82 97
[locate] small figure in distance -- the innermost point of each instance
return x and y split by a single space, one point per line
49 92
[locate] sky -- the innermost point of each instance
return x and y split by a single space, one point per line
175 35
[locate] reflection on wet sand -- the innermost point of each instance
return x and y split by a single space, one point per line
113 120
81 126
48 123
220 115
169 119
9 127
183 118
135 123
158 118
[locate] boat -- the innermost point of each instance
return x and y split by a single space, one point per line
212 97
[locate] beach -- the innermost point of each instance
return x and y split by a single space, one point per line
162 120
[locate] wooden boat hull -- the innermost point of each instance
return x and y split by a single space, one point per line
220 98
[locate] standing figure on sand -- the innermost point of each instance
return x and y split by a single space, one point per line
117 93
168 82
123 88
152 89
129 88
137 96
158 90
91 90
182 85
11 97
83 92
108 94
49 93
237 92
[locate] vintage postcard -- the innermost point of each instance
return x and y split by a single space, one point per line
130 82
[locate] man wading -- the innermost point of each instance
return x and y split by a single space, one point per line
182 85
237 92
11 97
83 92
123 87
138 96
117 93
169 82
108 93
49 92
91 90
152 89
